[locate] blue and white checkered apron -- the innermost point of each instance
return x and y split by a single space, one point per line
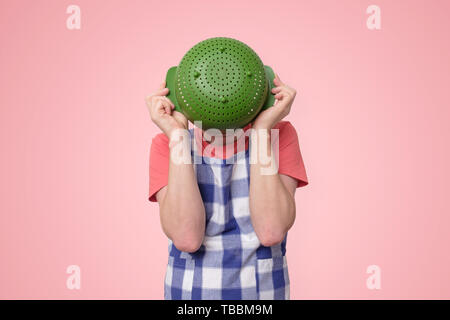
231 263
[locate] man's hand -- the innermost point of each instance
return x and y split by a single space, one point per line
162 111
285 96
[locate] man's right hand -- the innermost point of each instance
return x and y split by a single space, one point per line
162 112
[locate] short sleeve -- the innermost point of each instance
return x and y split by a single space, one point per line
159 165
290 161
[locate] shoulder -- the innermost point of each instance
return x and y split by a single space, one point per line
160 144
285 127
287 132
160 138
290 156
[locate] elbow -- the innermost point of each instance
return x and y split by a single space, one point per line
186 236
272 229
273 233
188 245
270 238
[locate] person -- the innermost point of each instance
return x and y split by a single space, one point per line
226 221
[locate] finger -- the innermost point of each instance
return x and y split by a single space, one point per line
161 92
155 107
162 85
169 101
148 100
290 90
151 101
277 81
281 95
285 88
276 89
282 106
167 106
157 104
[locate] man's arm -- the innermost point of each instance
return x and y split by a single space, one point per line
181 208
272 203
182 212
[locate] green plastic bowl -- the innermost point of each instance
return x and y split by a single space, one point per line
221 82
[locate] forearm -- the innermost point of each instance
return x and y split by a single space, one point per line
182 209
272 206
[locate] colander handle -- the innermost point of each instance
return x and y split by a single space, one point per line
270 101
170 84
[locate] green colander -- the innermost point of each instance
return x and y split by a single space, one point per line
221 82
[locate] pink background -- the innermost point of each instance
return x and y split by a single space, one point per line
372 116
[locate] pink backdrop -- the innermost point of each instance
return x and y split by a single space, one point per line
372 116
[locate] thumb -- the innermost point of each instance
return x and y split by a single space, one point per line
162 85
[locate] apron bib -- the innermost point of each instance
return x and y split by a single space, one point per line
231 262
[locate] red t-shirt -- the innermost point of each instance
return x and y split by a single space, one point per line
290 158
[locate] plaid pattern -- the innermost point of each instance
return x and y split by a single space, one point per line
231 263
